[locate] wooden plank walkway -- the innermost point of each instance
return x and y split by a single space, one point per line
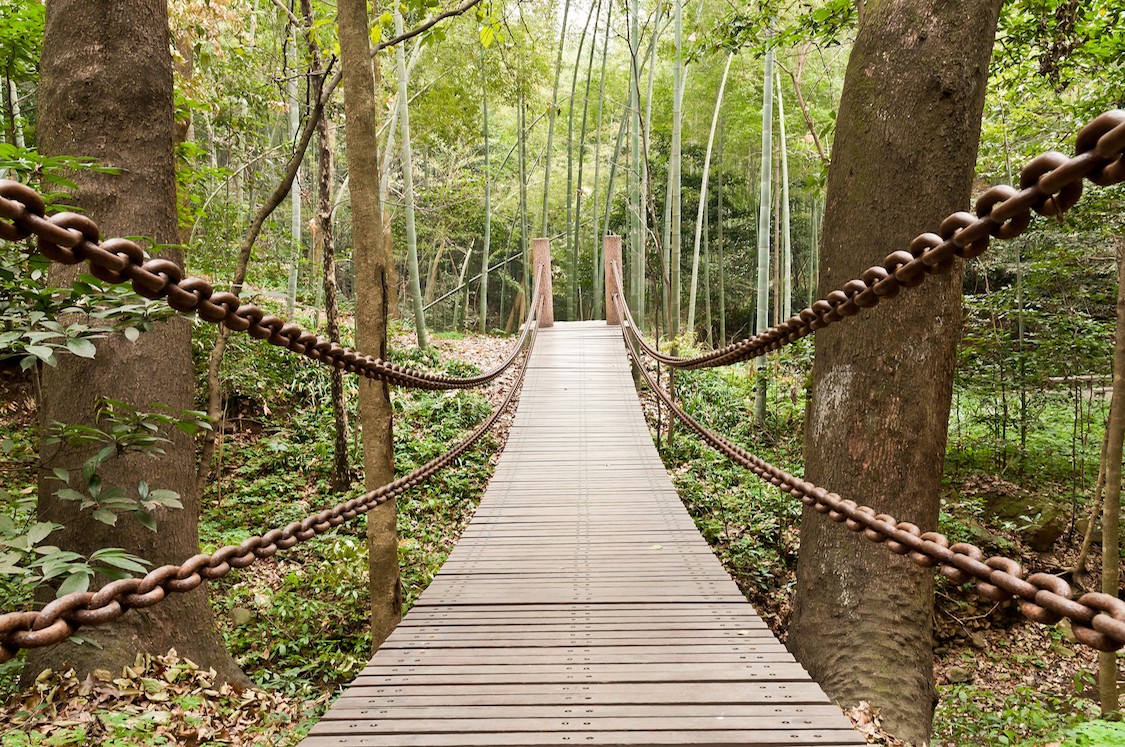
581 606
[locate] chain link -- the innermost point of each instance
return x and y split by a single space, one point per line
1050 184
69 238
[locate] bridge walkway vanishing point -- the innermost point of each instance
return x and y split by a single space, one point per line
581 606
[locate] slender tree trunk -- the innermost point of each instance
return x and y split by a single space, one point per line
487 199
582 156
814 260
621 129
775 287
294 193
674 162
763 300
863 617
719 242
707 322
458 318
15 120
1111 506
374 280
544 230
571 196
106 90
325 239
786 234
635 263
1078 570
408 188
391 127
646 186
242 265
599 270
701 214
524 243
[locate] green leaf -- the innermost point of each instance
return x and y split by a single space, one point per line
132 334
146 519
39 532
77 581
119 558
42 352
105 516
168 498
70 494
81 347
62 475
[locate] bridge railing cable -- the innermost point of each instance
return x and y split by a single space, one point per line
62 617
1050 184
69 238
1098 620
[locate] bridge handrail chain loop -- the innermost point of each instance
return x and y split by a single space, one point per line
1050 184
70 238
1098 620
62 617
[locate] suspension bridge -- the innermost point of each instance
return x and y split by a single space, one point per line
581 606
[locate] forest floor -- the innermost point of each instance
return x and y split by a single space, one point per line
297 623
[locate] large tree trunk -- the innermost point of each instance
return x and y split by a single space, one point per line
876 430
106 92
373 284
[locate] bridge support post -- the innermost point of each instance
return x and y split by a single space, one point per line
611 250
541 253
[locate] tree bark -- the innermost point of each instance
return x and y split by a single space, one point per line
325 238
599 279
106 92
763 299
876 430
702 212
1111 505
408 190
543 228
675 157
373 283
483 301
786 265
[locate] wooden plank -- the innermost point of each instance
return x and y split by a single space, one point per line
581 606
771 738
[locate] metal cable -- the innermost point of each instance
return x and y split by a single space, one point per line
69 238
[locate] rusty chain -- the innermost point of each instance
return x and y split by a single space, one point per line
1098 620
1050 184
69 238
61 618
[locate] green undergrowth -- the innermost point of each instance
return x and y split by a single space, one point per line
752 526
299 624
972 715
754 529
